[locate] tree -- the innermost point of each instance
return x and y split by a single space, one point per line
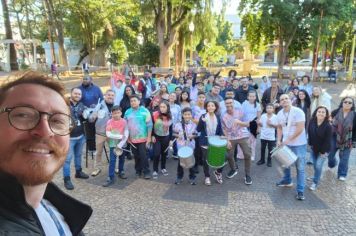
8 34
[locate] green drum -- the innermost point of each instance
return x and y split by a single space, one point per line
216 152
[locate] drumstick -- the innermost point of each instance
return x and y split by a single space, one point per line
132 145
170 146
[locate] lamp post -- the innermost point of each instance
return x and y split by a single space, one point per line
191 29
351 63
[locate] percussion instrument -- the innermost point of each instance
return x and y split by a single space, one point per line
216 151
284 156
186 157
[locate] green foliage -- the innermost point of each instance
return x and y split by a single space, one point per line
212 54
225 35
118 51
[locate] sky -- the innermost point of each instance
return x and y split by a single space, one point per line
231 8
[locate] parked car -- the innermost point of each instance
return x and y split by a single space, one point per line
303 62
337 65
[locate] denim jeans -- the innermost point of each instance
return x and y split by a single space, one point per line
112 163
344 156
318 163
75 148
301 152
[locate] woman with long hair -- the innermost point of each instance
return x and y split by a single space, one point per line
184 99
344 136
161 136
319 139
125 101
209 125
303 102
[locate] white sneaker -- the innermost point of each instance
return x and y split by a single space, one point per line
154 175
312 187
342 178
95 172
164 172
207 181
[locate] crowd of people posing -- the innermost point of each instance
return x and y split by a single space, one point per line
146 118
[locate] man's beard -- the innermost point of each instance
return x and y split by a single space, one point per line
36 173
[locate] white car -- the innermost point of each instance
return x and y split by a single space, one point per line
337 64
303 62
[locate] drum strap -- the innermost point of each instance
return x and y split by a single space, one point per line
184 134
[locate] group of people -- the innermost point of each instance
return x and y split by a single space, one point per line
39 126
149 116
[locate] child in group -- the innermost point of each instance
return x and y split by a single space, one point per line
185 132
252 113
117 132
268 124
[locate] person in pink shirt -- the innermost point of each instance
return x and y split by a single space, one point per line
117 133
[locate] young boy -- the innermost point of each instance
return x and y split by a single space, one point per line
117 132
268 124
185 132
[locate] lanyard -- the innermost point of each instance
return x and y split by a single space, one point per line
55 220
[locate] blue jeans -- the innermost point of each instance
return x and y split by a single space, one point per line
112 163
301 152
75 148
318 163
344 156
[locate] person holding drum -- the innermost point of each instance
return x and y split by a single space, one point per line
185 132
291 126
117 132
139 123
176 116
161 137
209 125
237 134
319 139
198 110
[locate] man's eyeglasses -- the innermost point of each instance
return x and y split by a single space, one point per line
27 118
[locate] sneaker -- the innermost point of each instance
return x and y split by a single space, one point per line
122 175
192 181
300 196
248 180
312 187
164 172
108 182
342 178
147 176
154 175
310 179
95 172
116 170
178 181
260 162
231 174
68 183
81 175
284 184
138 174
218 177
207 181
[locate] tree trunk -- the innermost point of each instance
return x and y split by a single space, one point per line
332 51
180 50
50 25
8 35
164 59
57 21
281 58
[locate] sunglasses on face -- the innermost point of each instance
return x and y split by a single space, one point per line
348 102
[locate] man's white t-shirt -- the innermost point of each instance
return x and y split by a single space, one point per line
250 110
47 222
288 121
268 132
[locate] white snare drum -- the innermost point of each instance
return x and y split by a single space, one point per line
186 157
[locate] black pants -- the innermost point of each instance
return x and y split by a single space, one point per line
159 148
204 156
89 131
197 154
270 145
141 161
180 172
